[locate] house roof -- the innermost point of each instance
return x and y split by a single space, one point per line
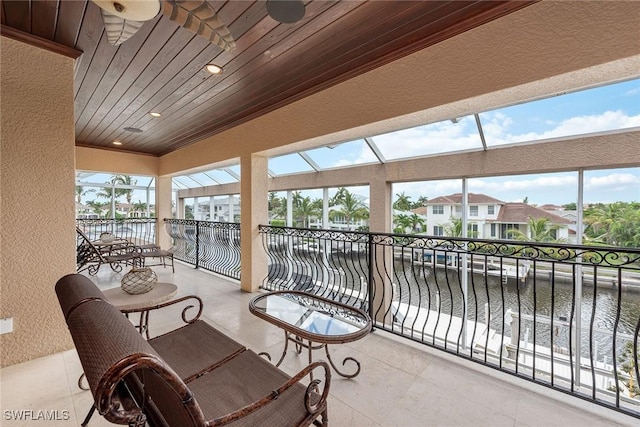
422 210
519 213
550 207
456 199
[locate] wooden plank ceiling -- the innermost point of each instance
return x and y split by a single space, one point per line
161 68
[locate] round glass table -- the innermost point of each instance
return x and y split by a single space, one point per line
312 322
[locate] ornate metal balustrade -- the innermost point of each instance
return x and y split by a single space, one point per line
564 316
140 231
213 246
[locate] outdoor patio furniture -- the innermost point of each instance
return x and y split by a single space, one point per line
191 376
118 253
154 251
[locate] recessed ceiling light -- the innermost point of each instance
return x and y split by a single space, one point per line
155 114
213 69
117 143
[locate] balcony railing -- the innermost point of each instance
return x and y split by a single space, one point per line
564 316
213 246
141 231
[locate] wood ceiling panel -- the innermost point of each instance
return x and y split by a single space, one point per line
141 60
248 64
310 53
106 133
182 44
122 60
44 18
90 35
18 14
69 21
161 67
170 96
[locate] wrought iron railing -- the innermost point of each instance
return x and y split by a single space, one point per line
141 231
564 316
213 246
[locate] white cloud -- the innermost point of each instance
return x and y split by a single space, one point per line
614 182
496 128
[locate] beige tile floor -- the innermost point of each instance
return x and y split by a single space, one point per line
401 384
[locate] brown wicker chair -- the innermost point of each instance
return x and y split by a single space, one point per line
169 381
90 258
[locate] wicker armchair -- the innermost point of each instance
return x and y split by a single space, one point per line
169 381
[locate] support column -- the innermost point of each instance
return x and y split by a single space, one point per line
231 209
289 208
325 208
381 258
254 210
212 209
163 210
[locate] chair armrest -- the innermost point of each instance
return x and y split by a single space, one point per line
196 304
314 402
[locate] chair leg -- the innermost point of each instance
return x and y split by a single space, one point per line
89 415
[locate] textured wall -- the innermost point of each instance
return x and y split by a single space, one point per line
100 160
542 49
37 191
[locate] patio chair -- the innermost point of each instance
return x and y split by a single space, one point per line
90 258
154 251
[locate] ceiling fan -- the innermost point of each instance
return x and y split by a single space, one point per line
123 18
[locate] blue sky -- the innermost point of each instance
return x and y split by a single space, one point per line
611 107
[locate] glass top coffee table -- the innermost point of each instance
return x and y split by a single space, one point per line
312 322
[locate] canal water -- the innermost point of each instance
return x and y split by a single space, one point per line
604 311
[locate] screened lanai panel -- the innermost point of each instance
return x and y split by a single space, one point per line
289 163
543 189
457 134
605 108
100 179
346 154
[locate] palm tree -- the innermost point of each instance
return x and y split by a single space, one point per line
540 230
97 206
126 192
338 198
402 223
352 208
305 210
454 229
416 222
80 191
403 203
139 207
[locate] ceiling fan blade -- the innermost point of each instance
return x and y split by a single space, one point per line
123 18
201 18
132 10
119 29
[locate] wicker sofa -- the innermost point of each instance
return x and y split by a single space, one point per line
191 376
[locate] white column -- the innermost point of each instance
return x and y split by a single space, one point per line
289 208
465 274
231 209
254 211
380 219
163 210
212 208
325 208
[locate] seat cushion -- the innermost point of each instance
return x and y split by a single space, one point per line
246 379
195 348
